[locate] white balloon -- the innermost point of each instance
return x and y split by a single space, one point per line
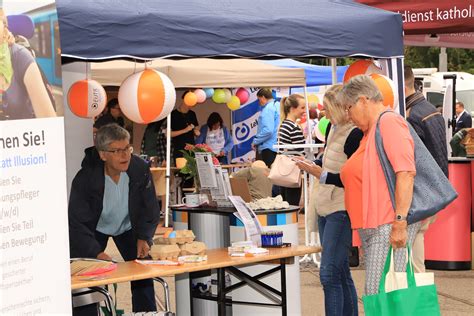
129 100
228 95
88 107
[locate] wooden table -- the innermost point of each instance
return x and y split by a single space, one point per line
217 259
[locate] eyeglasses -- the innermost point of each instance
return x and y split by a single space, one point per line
349 107
119 151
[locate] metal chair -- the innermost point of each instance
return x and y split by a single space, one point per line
166 290
98 294
92 295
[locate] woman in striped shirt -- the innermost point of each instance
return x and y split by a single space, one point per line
290 133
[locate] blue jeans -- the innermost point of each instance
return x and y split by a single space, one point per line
340 297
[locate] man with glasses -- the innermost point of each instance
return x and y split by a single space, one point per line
113 196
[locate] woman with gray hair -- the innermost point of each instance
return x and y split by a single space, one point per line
366 193
335 232
113 196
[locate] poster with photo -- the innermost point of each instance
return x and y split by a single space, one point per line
30 60
34 251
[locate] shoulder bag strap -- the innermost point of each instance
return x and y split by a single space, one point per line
384 161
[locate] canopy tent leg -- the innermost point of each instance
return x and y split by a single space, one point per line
333 70
168 168
308 241
393 68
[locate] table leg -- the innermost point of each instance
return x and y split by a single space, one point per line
221 304
284 309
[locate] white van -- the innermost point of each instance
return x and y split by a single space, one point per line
434 86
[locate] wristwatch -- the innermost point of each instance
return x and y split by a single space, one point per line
399 217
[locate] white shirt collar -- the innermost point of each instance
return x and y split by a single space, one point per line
460 114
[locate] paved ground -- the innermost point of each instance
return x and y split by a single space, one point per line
455 289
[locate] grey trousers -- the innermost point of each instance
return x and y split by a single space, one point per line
375 244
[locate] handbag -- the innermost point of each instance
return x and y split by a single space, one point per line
413 300
432 190
284 172
398 280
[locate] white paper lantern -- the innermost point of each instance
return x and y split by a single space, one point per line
147 96
86 98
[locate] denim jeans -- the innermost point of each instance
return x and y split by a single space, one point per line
340 297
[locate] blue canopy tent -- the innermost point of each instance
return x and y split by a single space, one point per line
143 29
315 75
94 30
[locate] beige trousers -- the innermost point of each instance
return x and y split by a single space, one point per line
418 251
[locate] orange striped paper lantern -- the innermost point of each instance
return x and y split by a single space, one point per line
147 96
86 98
388 90
361 67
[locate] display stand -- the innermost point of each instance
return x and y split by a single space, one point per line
213 226
447 241
286 221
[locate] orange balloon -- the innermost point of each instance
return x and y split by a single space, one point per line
361 67
190 99
388 90
303 118
150 95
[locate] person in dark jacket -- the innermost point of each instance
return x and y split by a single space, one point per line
427 122
112 114
429 125
113 196
463 118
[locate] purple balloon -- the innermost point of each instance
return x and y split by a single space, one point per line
21 24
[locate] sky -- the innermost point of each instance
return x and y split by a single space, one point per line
21 6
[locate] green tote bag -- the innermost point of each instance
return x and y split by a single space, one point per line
414 300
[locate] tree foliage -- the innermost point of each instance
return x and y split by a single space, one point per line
428 57
419 57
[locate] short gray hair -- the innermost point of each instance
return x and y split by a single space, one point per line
108 134
357 86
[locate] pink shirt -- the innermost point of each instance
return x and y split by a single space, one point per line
376 204
351 177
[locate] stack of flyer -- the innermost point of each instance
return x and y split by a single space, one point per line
245 248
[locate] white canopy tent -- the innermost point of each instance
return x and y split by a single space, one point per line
204 73
201 73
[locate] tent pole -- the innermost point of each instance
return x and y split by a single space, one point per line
333 70
168 168
399 79
305 175
310 155
393 68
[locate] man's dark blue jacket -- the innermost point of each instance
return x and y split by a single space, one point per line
430 126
